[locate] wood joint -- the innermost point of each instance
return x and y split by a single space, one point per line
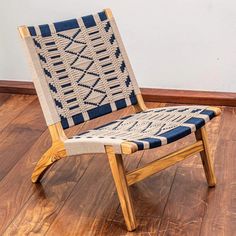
140 106
128 147
53 154
217 110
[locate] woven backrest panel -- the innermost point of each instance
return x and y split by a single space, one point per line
85 67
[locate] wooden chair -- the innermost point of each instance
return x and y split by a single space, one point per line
81 71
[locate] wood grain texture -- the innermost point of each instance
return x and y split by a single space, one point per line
119 176
186 203
16 195
56 152
9 110
16 191
78 197
140 106
20 135
128 147
201 134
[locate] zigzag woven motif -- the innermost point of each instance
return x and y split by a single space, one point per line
147 129
84 68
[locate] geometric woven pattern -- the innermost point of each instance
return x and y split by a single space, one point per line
84 67
147 129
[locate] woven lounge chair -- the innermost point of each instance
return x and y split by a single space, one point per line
81 71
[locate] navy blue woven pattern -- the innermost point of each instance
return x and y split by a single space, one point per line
151 128
84 68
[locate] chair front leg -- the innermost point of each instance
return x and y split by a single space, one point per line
54 153
118 172
201 134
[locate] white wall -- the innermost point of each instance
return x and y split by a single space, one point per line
182 44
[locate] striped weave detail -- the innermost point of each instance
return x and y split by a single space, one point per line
84 68
147 129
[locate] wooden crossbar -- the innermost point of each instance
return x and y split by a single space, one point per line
160 164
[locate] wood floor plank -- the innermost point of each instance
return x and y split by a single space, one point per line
16 188
20 135
185 207
12 107
47 199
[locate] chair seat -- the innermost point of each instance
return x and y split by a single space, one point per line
147 129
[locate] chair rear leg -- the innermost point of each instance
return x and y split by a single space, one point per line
201 134
118 172
56 152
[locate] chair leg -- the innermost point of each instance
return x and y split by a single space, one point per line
54 153
201 134
118 172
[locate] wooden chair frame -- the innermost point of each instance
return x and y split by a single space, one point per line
122 179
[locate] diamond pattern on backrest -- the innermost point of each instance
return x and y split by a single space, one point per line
82 61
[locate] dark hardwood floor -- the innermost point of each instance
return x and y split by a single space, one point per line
78 197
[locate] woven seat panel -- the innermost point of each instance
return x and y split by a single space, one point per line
147 129
83 64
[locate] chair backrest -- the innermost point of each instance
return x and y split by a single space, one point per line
81 69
